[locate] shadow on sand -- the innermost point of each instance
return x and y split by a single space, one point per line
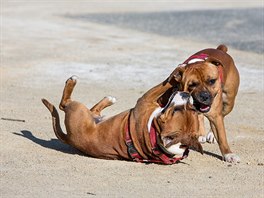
54 144
57 145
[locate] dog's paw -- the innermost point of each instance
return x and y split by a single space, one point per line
210 138
232 158
74 78
111 99
202 139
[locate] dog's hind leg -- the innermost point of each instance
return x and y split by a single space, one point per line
102 104
66 96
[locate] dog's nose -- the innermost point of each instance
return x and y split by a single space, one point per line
205 96
185 95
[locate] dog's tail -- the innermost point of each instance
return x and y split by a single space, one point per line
55 121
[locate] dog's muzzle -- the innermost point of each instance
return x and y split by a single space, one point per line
202 101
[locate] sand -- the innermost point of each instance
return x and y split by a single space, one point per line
41 48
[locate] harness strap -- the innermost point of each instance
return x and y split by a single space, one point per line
196 58
130 146
157 152
158 156
220 72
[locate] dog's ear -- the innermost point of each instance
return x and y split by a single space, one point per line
197 145
176 75
166 114
214 61
222 47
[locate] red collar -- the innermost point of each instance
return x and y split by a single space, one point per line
199 57
158 155
220 72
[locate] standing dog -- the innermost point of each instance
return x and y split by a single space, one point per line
146 133
212 79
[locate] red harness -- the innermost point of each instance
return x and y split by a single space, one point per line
204 57
199 56
158 156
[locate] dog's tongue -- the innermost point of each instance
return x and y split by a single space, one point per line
204 108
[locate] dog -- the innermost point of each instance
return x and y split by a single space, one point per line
146 133
212 79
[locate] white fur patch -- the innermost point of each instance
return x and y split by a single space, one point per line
191 100
182 65
179 100
175 149
111 99
210 138
195 60
154 114
232 158
74 77
176 101
202 139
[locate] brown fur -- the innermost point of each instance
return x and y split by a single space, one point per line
106 139
198 77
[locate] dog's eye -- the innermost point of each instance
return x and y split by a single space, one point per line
212 81
193 85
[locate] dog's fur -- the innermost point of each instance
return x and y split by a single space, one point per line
213 84
176 125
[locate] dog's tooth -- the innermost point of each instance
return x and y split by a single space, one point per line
191 100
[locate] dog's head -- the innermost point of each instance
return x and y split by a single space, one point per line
178 126
201 79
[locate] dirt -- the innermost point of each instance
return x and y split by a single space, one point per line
40 49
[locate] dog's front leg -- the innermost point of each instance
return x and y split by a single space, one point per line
201 132
156 92
216 119
217 126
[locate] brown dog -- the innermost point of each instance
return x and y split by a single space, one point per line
212 79
146 133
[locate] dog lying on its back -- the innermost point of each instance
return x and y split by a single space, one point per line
146 133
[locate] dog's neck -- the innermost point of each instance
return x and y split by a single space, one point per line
154 114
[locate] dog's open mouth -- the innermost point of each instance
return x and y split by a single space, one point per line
203 108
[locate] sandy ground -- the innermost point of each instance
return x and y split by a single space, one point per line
40 49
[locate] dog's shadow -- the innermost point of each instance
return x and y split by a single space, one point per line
57 145
54 144
213 155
